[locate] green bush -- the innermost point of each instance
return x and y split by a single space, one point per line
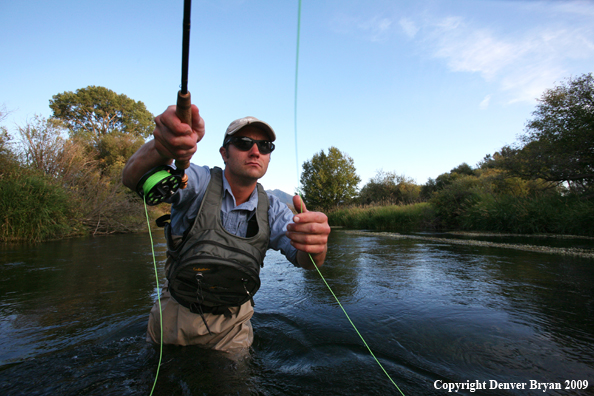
456 198
34 209
544 213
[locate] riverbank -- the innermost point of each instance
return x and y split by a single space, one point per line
577 252
545 215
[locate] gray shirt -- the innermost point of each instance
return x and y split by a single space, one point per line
185 204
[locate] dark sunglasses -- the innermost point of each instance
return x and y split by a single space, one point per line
245 143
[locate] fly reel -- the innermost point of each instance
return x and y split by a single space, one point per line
158 184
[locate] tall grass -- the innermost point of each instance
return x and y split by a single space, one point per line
420 216
33 208
545 213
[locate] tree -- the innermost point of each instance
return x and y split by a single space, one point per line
8 156
559 144
329 180
4 136
389 188
445 179
44 148
111 125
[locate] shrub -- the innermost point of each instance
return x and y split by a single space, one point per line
34 209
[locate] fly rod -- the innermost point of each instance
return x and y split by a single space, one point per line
162 182
184 99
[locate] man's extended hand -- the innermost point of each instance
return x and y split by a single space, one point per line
174 139
308 234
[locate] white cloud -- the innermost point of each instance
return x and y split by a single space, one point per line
522 48
410 27
485 102
474 51
523 62
374 28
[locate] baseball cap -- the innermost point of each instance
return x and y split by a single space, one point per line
240 123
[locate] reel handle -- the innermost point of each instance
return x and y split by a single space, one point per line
184 113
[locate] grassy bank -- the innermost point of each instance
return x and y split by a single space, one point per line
546 214
415 217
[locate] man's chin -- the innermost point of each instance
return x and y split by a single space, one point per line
254 174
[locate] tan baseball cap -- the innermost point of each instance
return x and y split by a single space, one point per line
240 123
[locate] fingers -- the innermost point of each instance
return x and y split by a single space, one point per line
198 124
309 247
298 204
173 138
304 221
310 231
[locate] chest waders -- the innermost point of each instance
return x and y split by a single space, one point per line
212 269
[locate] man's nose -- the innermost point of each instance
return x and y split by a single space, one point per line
254 151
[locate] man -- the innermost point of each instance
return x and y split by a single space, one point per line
221 219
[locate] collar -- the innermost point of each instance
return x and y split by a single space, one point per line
251 204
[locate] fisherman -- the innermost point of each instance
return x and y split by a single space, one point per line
214 256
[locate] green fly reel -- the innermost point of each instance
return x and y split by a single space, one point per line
158 184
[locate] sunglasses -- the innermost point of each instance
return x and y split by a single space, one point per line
245 143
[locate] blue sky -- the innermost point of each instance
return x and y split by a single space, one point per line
414 87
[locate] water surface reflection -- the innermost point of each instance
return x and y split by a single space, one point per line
73 316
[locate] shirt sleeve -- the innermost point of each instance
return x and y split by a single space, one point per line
186 202
279 215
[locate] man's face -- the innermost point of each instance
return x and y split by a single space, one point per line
245 166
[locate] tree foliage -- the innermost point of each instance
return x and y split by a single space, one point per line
329 180
389 188
559 143
112 126
44 147
445 179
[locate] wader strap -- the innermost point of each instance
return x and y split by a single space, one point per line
163 220
199 308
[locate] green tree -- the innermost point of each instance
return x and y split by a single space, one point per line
389 188
445 179
559 143
111 125
329 180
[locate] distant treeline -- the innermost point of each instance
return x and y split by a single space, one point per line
542 184
61 176
481 199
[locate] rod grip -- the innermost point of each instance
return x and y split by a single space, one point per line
184 113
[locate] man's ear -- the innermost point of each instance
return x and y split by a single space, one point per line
223 152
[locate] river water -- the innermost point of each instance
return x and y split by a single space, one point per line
73 316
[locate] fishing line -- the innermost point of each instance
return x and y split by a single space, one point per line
158 295
310 257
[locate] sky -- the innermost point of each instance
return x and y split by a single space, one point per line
412 87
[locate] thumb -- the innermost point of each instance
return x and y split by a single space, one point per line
299 204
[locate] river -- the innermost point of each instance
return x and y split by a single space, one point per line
73 317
